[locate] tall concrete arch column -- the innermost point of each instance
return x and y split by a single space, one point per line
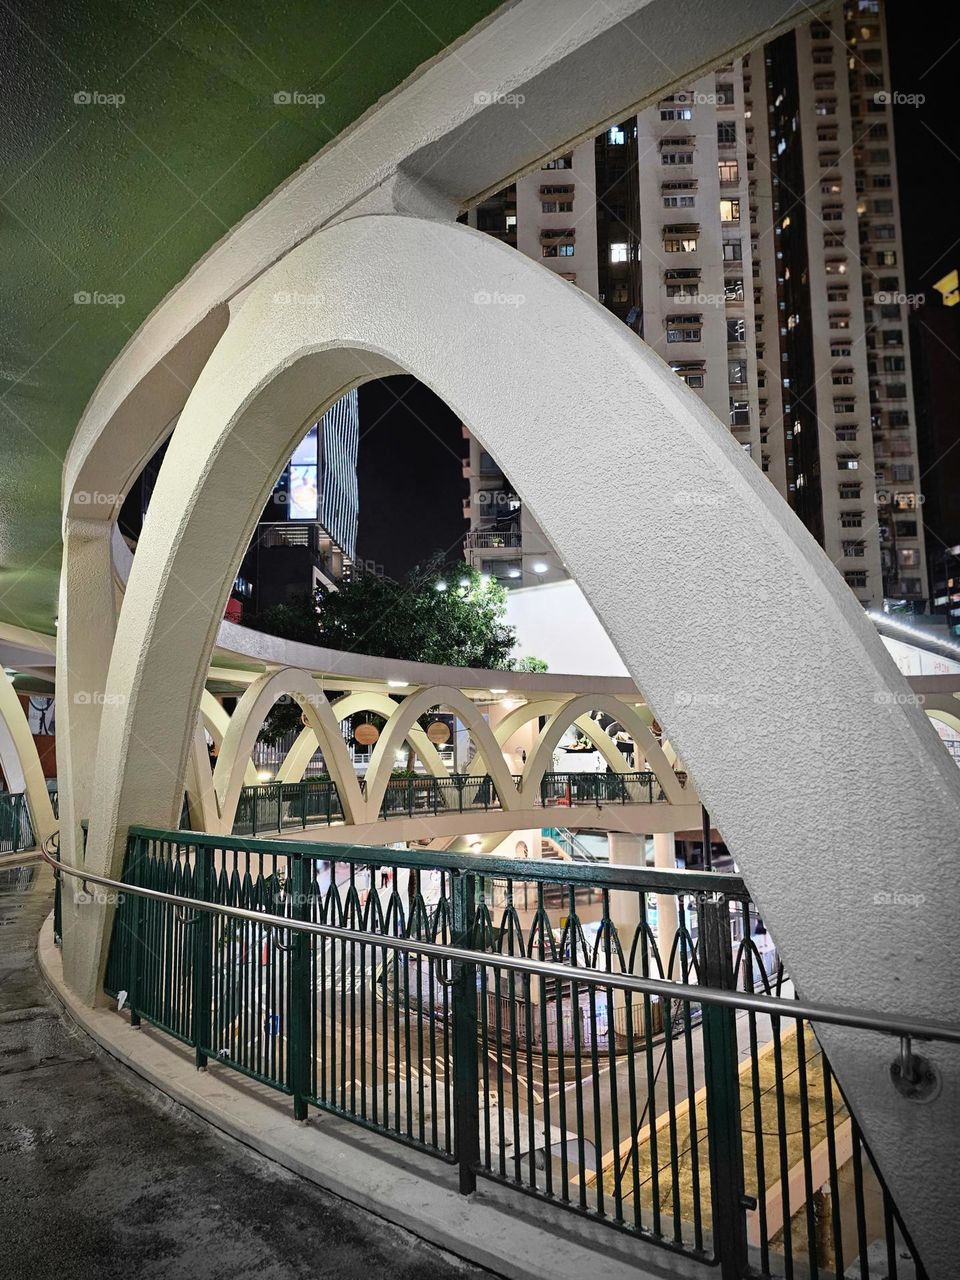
787 654
20 761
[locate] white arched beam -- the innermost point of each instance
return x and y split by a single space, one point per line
406 715
246 722
786 654
305 745
21 762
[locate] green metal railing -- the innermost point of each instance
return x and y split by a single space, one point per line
274 807
286 806
16 829
526 1022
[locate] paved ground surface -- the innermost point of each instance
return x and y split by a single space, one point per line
101 1176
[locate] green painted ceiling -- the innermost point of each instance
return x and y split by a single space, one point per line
108 197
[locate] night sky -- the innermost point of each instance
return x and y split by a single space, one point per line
411 483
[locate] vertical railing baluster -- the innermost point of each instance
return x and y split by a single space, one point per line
202 957
722 1078
300 994
465 1078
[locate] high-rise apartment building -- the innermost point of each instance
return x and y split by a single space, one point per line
748 228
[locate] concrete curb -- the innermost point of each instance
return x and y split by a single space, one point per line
505 1232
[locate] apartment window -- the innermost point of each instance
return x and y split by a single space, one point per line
548 206
882 181
893 337
725 96
856 577
560 162
837 293
839 349
898 418
684 328
733 289
739 413
883 206
677 155
902 471
730 211
855 549
909 557
691 374
828 159
556 206
846 435
832 213
565 251
848 491
835 266
851 520
887 258
910 586
896 391
848 462
822 57
726 133
826 107
680 244
732 251
894 364
844 404
619 251
906 528
687 291
679 202
883 231
839 320
729 171
831 187
676 113
616 136
736 330
842 377
557 250
736 371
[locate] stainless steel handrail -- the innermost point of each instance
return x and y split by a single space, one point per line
888 1024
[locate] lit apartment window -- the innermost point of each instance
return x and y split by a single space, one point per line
835 266
733 289
887 258
909 557
730 211
732 251
736 330
680 244
684 328
616 136
831 187
619 251
857 550
848 462
839 320
557 250
729 171
736 371
826 107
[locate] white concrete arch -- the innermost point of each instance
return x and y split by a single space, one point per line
867 777
246 722
21 763
305 746
469 714
577 709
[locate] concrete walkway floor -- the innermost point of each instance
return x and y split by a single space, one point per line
102 1176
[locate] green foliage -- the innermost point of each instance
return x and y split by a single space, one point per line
527 664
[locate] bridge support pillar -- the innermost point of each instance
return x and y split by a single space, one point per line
668 919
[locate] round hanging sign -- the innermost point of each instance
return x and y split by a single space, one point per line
366 734
438 732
